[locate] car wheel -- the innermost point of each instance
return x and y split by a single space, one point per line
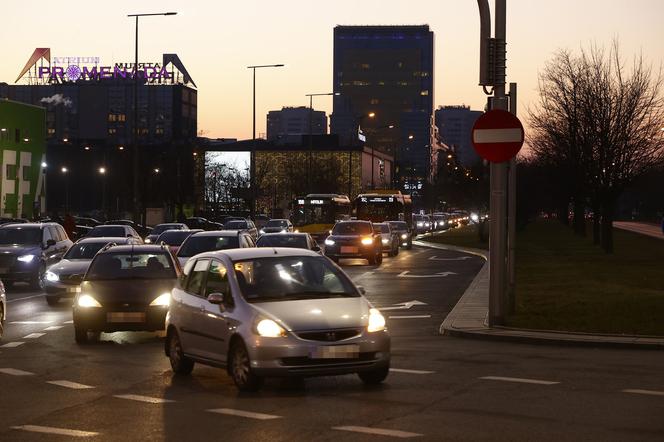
240 368
379 258
52 300
81 335
2 322
410 245
372 260
374 377
179 362
37 282
396 249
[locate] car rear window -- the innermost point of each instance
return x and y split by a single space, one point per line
352 229
20 235
117 231
235 225
86 250
282 240
277 223
173 237
108 266
382 228
199 244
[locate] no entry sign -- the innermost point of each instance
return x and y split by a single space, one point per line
497 136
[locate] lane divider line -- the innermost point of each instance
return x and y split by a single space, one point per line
53 430
241 413
520 380
403 370
25 297
54 327
31 322
12 344
378 431
15 372
33 336
409 317
69 384
68 322
646 392
146 399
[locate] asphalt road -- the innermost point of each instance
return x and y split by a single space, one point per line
440 388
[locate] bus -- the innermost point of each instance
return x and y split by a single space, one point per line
384 205
317 213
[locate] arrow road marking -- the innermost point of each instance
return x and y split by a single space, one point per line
460 258
403 305
406 274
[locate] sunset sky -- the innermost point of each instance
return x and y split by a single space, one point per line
216 40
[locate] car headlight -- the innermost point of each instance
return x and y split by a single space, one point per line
88 301
376 321
385 241
283 231
269 329
148 240
420 224
474 217
367 241
329 242
404 236
163 300
26 258
52 277
261 231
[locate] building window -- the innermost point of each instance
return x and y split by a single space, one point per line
111 130
365 65
424 93
122 117
10 171
374 101
51 131
26 173
112 117
17 136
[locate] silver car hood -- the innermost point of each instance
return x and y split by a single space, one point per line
73 267
317 314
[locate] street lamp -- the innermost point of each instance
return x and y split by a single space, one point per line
135 112
252 161
311 135
102 173
65 171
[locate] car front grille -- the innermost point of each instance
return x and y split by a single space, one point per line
7 260
71 279
303 361
329 335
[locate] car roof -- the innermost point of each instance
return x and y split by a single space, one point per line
110 225
258 252
216 233
354 221
284 234
142 248
191 231
24 225
278 219
102 239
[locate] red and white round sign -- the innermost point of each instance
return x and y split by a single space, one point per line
497 136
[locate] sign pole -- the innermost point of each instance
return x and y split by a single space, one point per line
498 227
511 215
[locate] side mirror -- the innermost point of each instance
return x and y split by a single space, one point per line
50 243
129 235
316 248
362 290
216 298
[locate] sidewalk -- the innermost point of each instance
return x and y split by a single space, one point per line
468 318
649 229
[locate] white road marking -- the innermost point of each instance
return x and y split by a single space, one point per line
521 380
406 274
460 258
53 430
364 274
26 297
53 327
68 322
647 392
12 344
403 305
508 135
409 317
403 370
147 399
33 336
15 372
31 322
378 431
241 413
69 384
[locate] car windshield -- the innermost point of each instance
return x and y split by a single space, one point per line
163 227
129 265
352 229
117 231
173 237
20 235
234 225
86 250
199 244
277 223
398 225
283 240
287 278
382 228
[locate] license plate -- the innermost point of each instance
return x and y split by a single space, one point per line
72 289
351 351
125 317
346 249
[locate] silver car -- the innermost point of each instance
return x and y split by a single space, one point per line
212 240
3 308
63 278
265 312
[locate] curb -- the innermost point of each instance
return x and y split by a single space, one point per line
477 328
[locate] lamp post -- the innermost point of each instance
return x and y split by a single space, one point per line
65 171
252 161
135 155
102 175
311 134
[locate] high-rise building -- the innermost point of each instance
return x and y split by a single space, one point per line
295 121
384 76
455 124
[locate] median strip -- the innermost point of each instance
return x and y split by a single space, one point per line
378 431
520 380
53 430
241 413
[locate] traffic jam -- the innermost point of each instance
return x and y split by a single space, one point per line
266 300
